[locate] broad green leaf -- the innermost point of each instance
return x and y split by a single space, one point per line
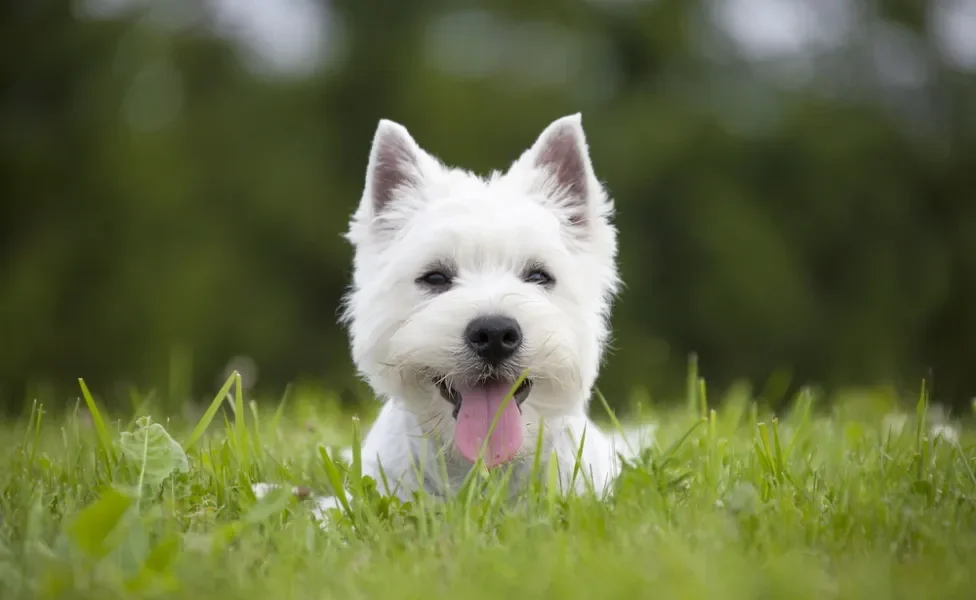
156 570
93 525
164 554
151 446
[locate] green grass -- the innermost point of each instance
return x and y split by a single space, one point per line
834 502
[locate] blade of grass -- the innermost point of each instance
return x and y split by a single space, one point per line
104 439
702 398
614 420
276 419
537 460
691 400
240 425
210 414
356 474
256 445
579 460
335 480
921 410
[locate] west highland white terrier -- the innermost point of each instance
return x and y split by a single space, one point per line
461 285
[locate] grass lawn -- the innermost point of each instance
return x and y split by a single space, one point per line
853 501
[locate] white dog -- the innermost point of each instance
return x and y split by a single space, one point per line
461 285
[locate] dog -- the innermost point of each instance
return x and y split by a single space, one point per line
479 312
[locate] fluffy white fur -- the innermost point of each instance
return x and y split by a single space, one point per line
549 211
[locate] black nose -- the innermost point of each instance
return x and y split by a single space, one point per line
493 338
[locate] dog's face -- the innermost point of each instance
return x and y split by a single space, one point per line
463 283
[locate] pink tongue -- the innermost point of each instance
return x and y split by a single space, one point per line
478 408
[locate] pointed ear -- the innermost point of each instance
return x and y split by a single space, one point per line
563 171
395 165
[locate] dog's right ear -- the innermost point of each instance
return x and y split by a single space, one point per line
395 167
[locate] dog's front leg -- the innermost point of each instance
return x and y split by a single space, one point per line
386 458
321 505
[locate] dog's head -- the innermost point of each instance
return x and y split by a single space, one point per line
463 283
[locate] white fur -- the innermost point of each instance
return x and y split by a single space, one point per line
548 209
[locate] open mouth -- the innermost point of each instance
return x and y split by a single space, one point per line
486 426
454 396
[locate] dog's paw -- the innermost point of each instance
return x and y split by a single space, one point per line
321 505
633 440
345 453
263 489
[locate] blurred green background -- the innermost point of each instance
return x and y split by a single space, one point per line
794 179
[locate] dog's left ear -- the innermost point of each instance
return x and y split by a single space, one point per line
560 168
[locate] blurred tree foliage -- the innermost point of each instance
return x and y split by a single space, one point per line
157 193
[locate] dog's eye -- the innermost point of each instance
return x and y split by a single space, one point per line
435 279
539 277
